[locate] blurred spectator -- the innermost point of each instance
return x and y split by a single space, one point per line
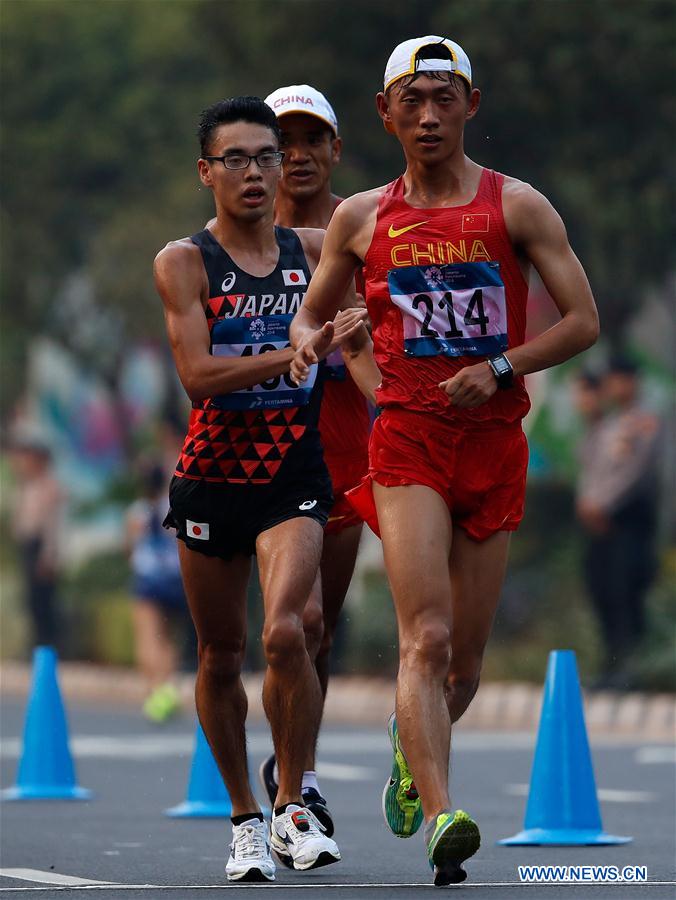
617 506
37 506
160 608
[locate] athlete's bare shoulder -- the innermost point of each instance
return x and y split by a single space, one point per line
527 212
354 221
178 266
358 206
311 240
520 193
176 252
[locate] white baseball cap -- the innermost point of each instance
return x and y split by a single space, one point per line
402 60
301 98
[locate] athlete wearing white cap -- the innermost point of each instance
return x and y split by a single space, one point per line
309 139
406 59
447 250
302 98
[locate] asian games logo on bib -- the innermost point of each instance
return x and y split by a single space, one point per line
257 328
434 275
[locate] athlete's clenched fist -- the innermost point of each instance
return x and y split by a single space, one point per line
471 386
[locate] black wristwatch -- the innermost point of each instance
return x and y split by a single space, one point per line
502 369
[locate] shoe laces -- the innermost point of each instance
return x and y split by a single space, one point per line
249 841
407 788
314 828
318 825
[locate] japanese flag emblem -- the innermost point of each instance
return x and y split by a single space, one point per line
197 530
293 277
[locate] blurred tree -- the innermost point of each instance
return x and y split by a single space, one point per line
100 103
89 149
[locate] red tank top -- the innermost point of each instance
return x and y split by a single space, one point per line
344 422
444 290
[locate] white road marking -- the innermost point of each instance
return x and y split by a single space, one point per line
51 878
134 746
344 772
297 886
650 755
610 795
153 747
117 747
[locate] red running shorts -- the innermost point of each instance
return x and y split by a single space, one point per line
479 473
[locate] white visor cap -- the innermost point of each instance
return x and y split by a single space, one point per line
402 60
301 98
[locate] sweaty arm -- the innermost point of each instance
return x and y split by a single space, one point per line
357 352
313 329
181 282
539 235
538 232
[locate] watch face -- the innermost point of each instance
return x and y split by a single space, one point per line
501 365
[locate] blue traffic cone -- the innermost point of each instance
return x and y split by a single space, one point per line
207 795
46 770
562 804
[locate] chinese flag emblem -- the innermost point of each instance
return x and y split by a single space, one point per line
475 223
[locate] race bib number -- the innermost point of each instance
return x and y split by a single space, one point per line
249 337
453 310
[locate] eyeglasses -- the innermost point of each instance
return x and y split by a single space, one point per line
268 159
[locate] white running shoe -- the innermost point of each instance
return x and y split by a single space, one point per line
250 858
297 835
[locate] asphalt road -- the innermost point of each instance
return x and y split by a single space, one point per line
136 771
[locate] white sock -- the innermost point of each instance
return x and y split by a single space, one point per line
309 781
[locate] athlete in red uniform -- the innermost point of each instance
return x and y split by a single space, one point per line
447 250
312 148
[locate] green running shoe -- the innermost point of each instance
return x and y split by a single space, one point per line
451 839
401 804
163 703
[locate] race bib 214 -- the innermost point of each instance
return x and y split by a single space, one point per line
452 310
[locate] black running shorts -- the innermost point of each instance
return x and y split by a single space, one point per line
224 520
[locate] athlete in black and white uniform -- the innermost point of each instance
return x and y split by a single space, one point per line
251 477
